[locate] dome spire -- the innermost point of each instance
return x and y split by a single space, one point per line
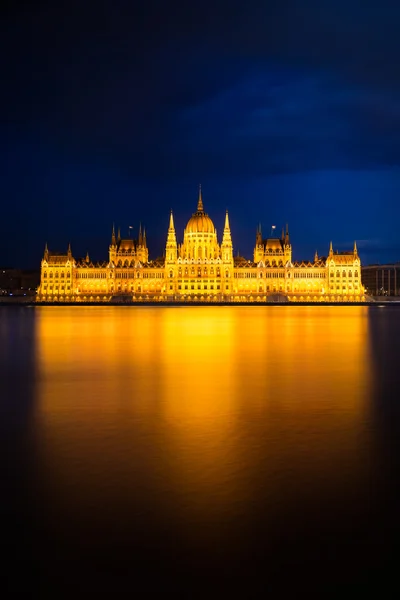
200 207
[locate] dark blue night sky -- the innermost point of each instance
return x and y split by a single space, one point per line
284 111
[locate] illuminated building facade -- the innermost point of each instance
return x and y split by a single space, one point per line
201 269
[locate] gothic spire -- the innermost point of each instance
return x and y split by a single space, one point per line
227 221
113 240
119 234
258 235
355 248
316 259
287 240
200 207
171 221
330 248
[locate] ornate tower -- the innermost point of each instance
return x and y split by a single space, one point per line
287 248
112 250
171 255
142 252
226 246
259 247
171 248
227 257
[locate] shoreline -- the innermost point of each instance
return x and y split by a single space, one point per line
31 304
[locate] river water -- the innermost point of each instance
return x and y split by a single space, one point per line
199 449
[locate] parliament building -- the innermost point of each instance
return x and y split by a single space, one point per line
200 269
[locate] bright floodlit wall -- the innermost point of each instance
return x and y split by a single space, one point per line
201 269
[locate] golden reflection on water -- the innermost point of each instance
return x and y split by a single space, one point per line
211 407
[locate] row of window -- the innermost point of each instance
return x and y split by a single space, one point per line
91 275
332 287
57 275
309 275
127 263
68 287
199 287
350 273
199 273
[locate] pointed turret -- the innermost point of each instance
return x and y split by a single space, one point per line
258 235
227 228
46 252
330 249
87 257
355 249
226 238
119 235
171 249
287 239
69 252
316 259
171 222
113 238
200 207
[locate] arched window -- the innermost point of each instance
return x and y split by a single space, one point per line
192 271
171 274
68 275
180 272
337 274
226 273
62 275
186 270
350 274
45 275
56 275
344 273
355 273
212 271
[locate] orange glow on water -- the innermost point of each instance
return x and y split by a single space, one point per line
204 402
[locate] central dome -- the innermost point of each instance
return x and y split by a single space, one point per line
200 222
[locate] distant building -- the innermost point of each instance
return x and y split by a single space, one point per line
200 269
18 282
381 280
